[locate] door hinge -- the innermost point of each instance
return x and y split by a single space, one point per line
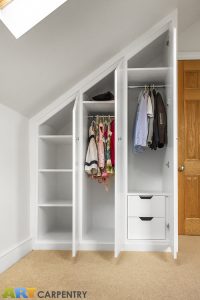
168 226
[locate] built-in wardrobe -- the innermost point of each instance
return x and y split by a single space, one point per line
138 211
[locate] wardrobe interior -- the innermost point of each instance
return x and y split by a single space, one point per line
97 203
149 172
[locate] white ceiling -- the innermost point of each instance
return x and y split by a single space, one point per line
72 42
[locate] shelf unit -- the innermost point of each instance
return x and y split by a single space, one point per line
55 170
55 176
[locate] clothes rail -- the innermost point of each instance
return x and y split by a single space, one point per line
101 116
147 86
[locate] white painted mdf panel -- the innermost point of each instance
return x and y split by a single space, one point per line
120 108
76 175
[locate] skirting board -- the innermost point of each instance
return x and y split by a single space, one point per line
14 254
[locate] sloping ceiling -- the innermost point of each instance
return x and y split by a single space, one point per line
72 42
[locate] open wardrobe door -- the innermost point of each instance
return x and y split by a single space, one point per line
120 134
76 179
172 140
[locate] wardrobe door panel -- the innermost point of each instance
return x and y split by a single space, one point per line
120 108
76 172
173 198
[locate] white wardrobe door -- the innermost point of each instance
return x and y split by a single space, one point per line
170 180
76 172
174 207
120 108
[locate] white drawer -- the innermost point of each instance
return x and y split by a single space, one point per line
153 229
141 206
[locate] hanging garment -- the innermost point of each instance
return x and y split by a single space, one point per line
112 143
91 163
150 113
162 121
109 167
155 137
140 130
101 153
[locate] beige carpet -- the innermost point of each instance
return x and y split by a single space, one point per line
133 276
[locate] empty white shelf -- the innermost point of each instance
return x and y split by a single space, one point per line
57 203
57 139
147 193
144 76
100 106
55 170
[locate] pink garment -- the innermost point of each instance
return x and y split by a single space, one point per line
101 153
112 143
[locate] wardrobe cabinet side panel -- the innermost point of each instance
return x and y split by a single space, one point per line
120 172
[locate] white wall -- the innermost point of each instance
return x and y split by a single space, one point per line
189 40
14 180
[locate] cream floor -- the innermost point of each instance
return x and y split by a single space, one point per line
134 275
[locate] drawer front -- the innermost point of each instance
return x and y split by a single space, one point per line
154 206
153 229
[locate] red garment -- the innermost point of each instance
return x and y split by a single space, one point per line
112 143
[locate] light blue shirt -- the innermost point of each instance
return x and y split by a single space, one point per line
140 131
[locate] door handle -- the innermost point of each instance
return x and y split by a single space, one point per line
181 168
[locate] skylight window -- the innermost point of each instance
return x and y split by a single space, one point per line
4 3
22 15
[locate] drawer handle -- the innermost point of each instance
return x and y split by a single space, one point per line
146 197
146 218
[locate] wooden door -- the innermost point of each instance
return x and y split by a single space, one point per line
76 177
120 101
189 147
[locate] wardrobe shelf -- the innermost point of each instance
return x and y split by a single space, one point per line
56 204
57 139
55 170
147 193
100 107
100 102
138 76
56 236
